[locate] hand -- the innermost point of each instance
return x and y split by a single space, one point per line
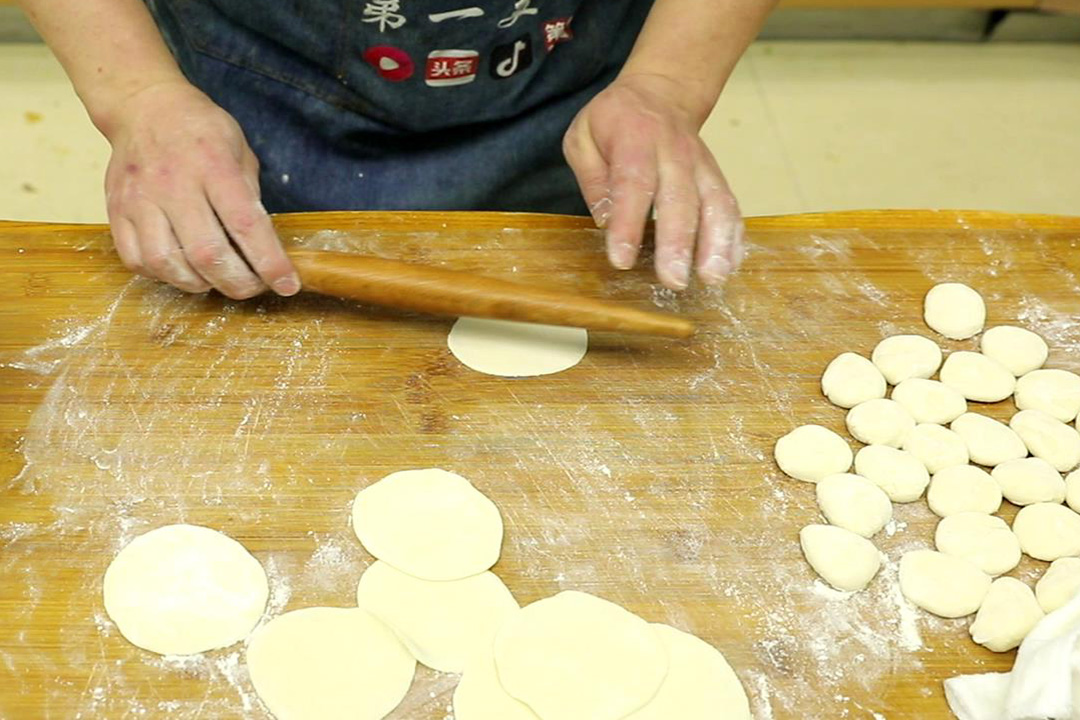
635 147
183 196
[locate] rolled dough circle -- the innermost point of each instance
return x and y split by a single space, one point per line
1007 614
851 379
514 349
984 540
930 401
431 524
1059 583
843 559
941 584
812 452
1029 480
1055 392
989 441
880 422
977 377
1019 350
1048 438
575 656
937 447
954 310
854 503
963 488
325 663
442 623
902 357
185 589
481 696
1048 531
900 474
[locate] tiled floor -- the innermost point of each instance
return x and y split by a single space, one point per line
801 127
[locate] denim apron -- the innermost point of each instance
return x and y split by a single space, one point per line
405 104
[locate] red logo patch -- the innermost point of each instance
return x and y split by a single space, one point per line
451 67
393 64
557 31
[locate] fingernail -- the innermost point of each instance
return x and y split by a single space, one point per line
288 285
601 211
716 268
621 255
679 273
738 251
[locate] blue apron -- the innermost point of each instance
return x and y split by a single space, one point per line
405 104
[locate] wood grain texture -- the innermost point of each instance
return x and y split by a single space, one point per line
643 475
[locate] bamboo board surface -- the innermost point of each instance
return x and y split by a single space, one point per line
643 475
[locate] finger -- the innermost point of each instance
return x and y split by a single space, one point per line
591 172
720 244
633 188
208 249
127 245
678 209
248 225
161 252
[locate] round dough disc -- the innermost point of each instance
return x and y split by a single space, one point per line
1008 613
812 452
700 685
977 377
941 584
843 559
900 474
901 357
854 503
431 524
937 447
575 656
851 379
954 310
880 422
989 441
963 488
1055 392
514 349
1029 480
982 539
1048 531
325 663
1019 350
1048 438
1059 583
442 623
185 589
930 401
481 696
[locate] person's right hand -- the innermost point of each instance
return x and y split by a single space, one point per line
183 197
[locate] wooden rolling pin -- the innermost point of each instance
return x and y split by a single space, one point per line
426 289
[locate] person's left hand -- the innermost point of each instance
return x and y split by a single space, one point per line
634 147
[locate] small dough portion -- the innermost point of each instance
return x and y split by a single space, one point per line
1048 531
1029 480
699 684
185 589
575 656
326 663
431 524
1059 583
851 379
900 474
880 422
962 489
901 357
930 401
843 559
1072 490
977 377
954 310
1055 392
937 447
1008 613
1019 350
1048 438
854 503
481 696
989 441
442 623
812 452
516 349
984 540
944 585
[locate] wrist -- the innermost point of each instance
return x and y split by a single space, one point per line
108 102
692 98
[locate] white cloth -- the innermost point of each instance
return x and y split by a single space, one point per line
1044 683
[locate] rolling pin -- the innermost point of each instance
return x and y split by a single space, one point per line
426 289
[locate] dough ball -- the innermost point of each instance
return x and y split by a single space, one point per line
699 685
989 442
577 657
1008 613
930 401
481 696
1048 531
854 503
954 310
843 559
962 489
851 379
1019 350
944 585
902 357
1059 583
1072 490
431 524
515 349
812 452
977 377
184 589
880 422
329 664
1029 480
937 447
1048 438
900 474
984 540
442 623
1055 392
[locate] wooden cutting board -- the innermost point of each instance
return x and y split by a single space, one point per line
643 475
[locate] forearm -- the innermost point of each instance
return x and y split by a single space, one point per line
697 43
111 49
